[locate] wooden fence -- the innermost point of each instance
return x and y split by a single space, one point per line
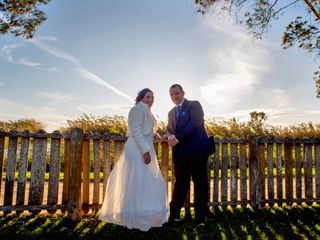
51 171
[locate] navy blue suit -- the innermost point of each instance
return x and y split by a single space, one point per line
190 157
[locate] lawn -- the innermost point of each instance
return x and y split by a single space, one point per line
101 176
298 222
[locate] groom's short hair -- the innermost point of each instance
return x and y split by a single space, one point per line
176 85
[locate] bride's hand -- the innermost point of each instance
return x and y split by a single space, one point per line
157 138
147 158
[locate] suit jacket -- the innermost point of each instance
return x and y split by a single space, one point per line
189 130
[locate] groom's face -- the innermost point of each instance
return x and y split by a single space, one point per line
176 95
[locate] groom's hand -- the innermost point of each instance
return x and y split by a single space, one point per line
147 158
164 137
172 141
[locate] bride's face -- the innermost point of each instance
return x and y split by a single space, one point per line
148 98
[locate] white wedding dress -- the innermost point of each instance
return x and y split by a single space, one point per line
136 195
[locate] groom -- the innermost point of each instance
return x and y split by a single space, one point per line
190 148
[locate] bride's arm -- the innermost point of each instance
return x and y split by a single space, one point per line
135 120
157 137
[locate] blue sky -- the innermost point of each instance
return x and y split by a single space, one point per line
93 56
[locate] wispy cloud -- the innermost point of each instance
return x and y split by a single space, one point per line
237 64
57 52
276 98
48 38
85 73
50 116
27 62
55 96
6 53
82 71
111 108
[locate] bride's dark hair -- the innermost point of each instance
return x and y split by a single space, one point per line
142 93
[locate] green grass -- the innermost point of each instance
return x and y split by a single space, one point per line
61 175
299 222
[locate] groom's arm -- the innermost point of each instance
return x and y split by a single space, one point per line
168 130
196 120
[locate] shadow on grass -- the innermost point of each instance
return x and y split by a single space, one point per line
299 222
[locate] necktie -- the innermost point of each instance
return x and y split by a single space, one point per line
178 110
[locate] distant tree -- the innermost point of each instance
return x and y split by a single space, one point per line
257 123
22 124
110 124
258 16
21 17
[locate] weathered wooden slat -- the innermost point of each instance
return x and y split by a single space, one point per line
38 168
88 136
118 137
305 140
270 172
279 173
224 174
74 201
234 158
317 165
156 149
86 176
298 166
54 171
10 169
117 150
243 172
107 164
254 173
230 140
164 162
308 171
96 169
22 168
262 168
288 172
66 165
105 136
216 167
2 140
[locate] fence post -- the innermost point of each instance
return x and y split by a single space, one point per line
74 197
254 173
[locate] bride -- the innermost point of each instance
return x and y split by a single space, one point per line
136 195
